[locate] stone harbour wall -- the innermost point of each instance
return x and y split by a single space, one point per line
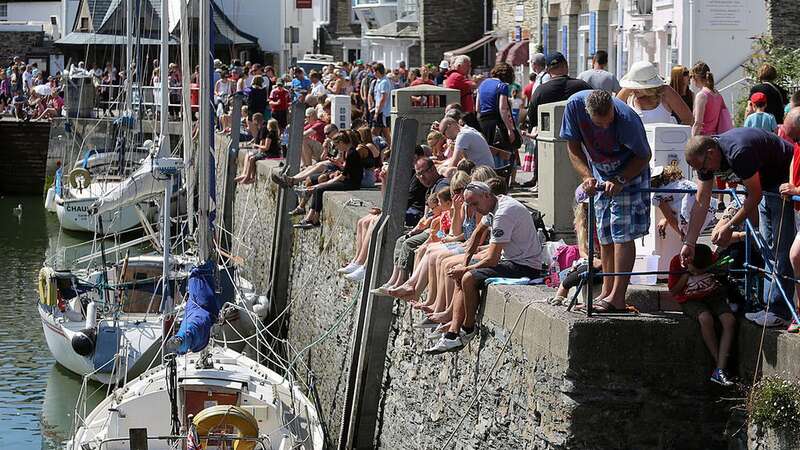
564 381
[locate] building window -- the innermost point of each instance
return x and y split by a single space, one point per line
3 11
84 24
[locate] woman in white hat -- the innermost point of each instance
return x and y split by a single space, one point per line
655 101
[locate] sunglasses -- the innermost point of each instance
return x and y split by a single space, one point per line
686 73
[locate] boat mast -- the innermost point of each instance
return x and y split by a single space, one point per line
164 148
164 152
129 57
203 182
188 141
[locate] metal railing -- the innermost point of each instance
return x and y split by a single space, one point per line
752 235
261 443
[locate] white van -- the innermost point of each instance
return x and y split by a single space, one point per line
315 62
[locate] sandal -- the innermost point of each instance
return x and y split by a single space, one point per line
280 179
556 300
604 307
299 211
306 224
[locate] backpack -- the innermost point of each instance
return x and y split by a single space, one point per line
538 223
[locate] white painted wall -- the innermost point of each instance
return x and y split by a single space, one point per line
266 19
36 12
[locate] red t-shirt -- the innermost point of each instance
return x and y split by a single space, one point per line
794 171
527 91
697 287
282 96
455 80
319 130
421 80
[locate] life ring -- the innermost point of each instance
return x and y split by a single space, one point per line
47 289
79 178
219 415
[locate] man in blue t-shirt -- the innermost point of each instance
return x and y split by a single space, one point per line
301 85
383 102
618 156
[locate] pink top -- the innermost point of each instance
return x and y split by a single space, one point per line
714 105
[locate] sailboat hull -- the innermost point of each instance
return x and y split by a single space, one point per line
140 342
74 215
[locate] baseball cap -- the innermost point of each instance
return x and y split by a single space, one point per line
555 58
758 98
445 64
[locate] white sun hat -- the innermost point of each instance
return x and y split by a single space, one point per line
642 75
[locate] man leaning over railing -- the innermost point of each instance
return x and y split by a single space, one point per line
759 160
618 156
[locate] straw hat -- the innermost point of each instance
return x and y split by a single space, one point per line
642 75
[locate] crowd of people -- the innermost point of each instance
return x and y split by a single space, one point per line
464 230
27 93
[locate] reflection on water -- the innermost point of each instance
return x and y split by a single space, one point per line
37 397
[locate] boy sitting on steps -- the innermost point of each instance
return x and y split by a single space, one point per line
702 297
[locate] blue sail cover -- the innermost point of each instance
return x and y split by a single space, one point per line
202 309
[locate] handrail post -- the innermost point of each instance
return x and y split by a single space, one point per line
590 263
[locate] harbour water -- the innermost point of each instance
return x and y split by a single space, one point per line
37 397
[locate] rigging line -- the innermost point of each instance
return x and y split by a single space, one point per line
330 330
488 377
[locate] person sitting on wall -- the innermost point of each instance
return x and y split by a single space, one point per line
468 143
702 297
514 252
266 145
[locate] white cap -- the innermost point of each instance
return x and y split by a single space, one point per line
643 75
445 64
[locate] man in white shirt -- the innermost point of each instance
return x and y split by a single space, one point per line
27 79
514 252
469 144
317 88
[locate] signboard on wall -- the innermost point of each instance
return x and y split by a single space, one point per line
519 13
303 4
592 32
723 15
517 33
565 40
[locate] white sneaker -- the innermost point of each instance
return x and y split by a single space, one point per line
445 345
755 316
466 337
426 323
349 268
357 275
771 320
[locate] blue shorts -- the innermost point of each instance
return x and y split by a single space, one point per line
623 217
455 248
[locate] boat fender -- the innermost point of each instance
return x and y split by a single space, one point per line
91 315
83 341
80 178
50 200
47 288
221 415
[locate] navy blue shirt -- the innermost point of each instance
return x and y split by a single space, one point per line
489 92
746 151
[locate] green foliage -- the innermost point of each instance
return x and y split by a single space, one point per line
775 403
785 60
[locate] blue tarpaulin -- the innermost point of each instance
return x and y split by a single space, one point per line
202 309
